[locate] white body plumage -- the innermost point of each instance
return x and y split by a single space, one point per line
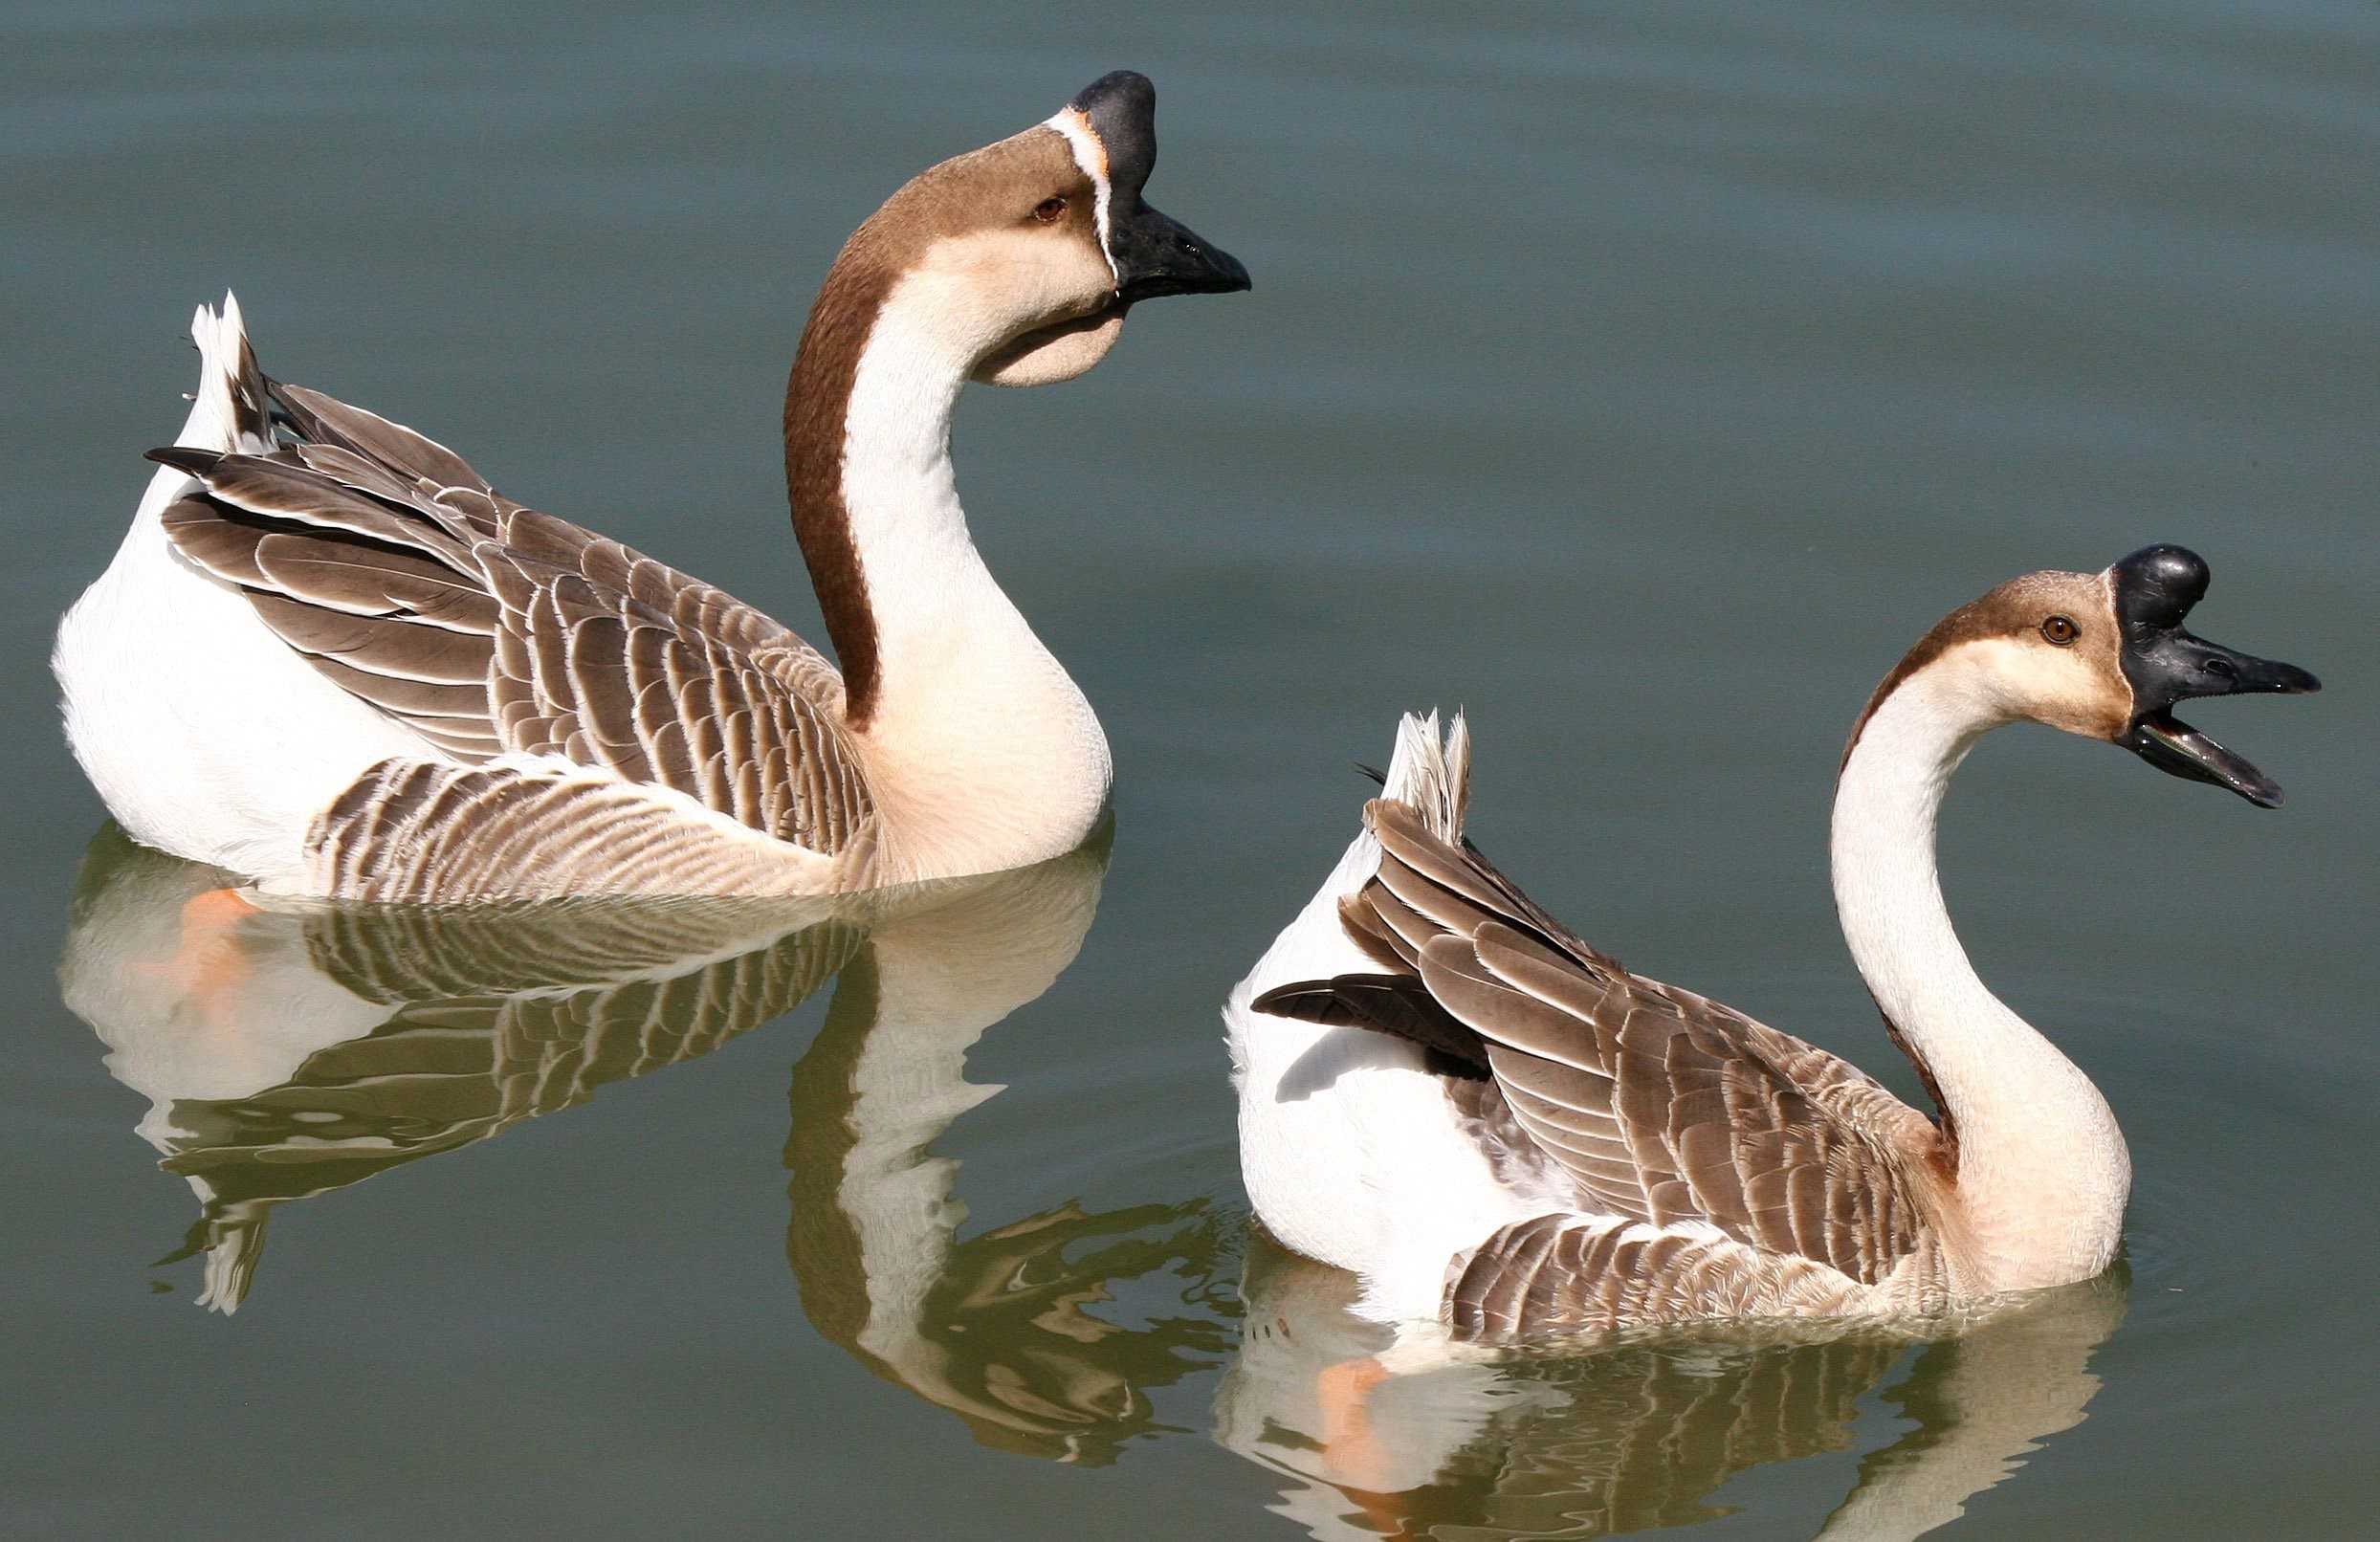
1349 1149
205 734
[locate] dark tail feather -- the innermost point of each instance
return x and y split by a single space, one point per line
1397 1005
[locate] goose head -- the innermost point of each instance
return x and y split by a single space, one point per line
2103 655
1022 258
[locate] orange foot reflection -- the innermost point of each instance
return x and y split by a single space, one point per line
208 965
1358 1462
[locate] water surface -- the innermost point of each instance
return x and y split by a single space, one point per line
1642 378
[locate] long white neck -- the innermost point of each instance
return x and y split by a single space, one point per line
983 754
2042 1172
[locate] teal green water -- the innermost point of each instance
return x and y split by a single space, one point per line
1642 379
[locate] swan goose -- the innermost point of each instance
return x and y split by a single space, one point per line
330 657
1504 1132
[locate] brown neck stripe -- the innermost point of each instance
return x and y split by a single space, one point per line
818 401
1963 625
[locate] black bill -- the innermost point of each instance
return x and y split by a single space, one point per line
1155 254
1152 253
2154 589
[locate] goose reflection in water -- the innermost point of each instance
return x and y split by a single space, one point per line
291 1052
296 1049
1634 1432
1000 1328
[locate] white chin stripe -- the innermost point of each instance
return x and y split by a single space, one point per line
1092 156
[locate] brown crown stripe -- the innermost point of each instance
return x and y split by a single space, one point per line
2012 609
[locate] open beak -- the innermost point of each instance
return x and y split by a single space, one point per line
2154 589
2172 747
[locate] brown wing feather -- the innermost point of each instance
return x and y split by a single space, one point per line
1662 1105
404 578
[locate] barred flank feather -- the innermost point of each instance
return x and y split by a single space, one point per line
493 630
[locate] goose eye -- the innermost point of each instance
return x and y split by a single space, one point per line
1047 211
2060 630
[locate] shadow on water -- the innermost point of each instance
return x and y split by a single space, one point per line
291 1051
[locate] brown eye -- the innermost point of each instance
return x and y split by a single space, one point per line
1049 209
2060 630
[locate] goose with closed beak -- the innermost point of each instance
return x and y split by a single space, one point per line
331 658
1507 1133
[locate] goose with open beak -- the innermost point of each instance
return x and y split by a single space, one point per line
1504 1132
